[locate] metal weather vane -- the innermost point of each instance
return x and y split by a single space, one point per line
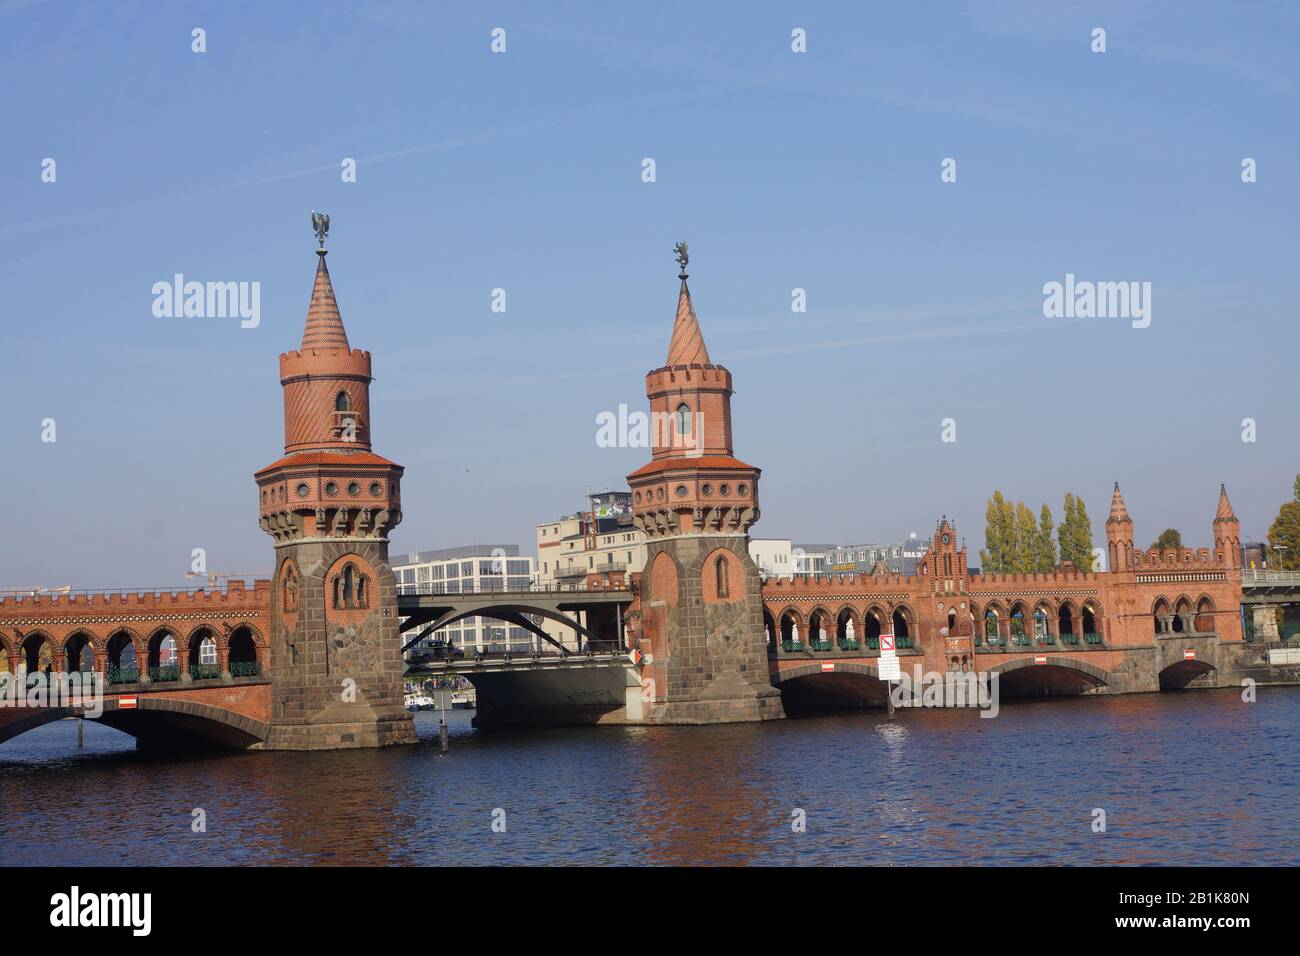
682 255
320 222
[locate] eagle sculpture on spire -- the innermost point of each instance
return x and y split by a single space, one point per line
320 223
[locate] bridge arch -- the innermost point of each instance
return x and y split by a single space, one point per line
159 721
1061 676
509 614
850 684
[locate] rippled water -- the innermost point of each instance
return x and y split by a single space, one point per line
1193 778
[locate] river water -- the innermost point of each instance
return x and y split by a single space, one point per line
1184 778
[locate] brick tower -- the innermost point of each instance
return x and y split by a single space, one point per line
329 503
1227 532
702 631
1119 534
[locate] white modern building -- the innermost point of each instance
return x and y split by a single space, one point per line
469 570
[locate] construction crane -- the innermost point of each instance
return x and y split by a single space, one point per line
213 575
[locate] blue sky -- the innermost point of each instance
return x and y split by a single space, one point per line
523 171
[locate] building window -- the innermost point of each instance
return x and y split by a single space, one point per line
722 576
341 403
683 418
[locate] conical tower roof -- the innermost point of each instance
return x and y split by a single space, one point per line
687 345
324 328
1224 512
1118 512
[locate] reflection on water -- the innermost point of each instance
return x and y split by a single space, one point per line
1197 777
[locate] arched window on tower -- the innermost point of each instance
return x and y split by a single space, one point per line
341 403
682 420
721 567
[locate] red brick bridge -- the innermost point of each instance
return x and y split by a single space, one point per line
192 667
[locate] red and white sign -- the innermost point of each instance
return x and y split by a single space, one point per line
827 668
126 703
1189 654
634 656
886 643
1040 658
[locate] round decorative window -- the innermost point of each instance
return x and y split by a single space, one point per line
659 493
354 489
331 489
742 490
638 497
946 539
303 489
707 490
724 490
681 491
376 489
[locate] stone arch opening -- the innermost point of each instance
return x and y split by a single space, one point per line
846 629
769 631
1160 615
818 638
37 654
122 659
164 660
1090 621
242 653
871 627
79 651
901 620
204 657
791 631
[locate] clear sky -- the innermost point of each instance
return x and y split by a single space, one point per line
523 171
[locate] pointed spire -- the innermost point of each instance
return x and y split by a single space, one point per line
324 323
1224 512
687 345
1118 513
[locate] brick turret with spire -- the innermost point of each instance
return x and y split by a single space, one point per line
329 503
1227 532
1119 534
703 642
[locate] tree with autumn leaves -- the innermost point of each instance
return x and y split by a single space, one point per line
1017 543
1284 532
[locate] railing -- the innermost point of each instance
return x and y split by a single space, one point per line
165 673
1092 638
1252 576
205 671
1020 640
995 640
495 586
245 668
791 646
848 645
1070 639
1046 639
122 675
821 645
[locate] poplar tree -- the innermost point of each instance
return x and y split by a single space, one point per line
1074 534
999 536
1026 540
1045 546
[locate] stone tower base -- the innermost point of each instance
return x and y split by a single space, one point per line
386 732
731 710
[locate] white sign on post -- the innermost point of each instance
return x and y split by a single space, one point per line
889 669
886 645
